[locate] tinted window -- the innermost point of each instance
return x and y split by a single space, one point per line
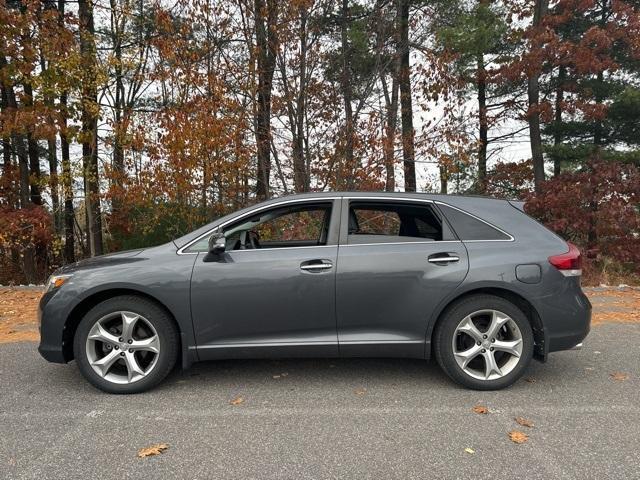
470 228
302 225
292 226
394 222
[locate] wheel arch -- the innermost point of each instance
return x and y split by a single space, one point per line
86 304
514 297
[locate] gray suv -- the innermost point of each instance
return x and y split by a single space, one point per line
473 282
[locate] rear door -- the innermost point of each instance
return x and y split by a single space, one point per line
397 261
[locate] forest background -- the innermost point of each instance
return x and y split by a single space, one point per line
126 123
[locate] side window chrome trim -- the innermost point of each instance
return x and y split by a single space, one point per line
278 248
401 243
181 250
510 239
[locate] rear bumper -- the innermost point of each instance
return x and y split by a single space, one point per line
567 321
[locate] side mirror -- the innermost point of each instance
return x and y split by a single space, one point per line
217 243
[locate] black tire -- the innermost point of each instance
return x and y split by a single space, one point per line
446 328
156 316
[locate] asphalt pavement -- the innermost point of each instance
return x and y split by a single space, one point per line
328 418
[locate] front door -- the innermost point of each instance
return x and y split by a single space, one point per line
272 292
397 261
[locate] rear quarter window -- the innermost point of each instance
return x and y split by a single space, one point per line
468 227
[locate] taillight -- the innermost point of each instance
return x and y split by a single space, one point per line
569 263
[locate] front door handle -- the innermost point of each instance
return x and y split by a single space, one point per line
316 265
443 258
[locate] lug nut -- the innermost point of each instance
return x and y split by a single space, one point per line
493 340
132 351
122 339
484 336
484 351
491 349
116 347
129 341
479 343
122 354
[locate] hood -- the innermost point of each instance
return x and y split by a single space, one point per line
115 258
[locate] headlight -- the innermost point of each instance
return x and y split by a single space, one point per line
56 281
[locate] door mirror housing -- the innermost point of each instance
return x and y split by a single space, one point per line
217 243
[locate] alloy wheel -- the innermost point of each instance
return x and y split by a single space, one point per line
487 344
123 347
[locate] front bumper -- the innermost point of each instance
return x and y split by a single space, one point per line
51 319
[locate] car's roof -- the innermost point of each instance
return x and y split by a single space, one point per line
369 193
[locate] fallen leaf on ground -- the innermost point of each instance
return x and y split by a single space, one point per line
481 409
524 422
469 450
517 436
619 376
360 391
530 380
237 401
152 450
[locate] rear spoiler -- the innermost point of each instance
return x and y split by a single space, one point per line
517 204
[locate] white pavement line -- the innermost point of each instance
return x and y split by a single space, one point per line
230 411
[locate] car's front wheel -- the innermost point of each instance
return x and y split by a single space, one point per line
126 344
484 342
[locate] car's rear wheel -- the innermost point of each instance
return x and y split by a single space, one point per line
484 342
126 344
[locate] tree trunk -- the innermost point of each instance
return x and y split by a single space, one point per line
390 98
406 108
484 126
301 180
118 107
444 179
17 141
266 15
32 150
52 153
89 131
28 256
557 135
67 176
6 151
67 185
533 94
347 96
598 130
391 126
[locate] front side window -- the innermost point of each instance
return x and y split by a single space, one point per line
379 222
290 226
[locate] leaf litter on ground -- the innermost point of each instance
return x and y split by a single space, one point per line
516 436
524 422
152 450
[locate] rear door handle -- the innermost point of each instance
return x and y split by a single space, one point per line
316 265
443 258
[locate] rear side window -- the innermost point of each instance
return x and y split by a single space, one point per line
470 228
378 222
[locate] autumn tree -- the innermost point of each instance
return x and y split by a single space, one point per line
476 35
89 132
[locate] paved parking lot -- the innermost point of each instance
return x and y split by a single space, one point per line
378 418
